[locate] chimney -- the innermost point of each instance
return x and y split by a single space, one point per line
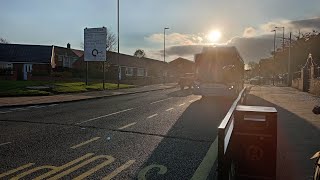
68 46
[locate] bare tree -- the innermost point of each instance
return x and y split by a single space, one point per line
4 41
139 53
111 41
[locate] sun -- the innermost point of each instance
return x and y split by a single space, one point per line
214 36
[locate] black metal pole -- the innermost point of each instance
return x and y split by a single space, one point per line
87 69
104 76
164 45
118 50
274 56
289 63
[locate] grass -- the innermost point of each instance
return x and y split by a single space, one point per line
19 88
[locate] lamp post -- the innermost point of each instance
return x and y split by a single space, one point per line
282 36
274 54
119 68
164 53
164 43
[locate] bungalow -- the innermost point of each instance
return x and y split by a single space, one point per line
17 61
132 69
28 62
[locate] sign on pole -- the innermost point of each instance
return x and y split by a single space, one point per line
95 41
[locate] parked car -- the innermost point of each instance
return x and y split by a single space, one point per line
186 81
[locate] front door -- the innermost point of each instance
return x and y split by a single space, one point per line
27 68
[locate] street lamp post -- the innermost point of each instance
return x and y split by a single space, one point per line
164 53
274 54
119 69
282 36
164 43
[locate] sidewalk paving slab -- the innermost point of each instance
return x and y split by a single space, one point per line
298 128
71 97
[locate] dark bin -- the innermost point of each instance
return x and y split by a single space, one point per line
254 148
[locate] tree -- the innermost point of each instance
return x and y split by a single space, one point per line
111 41
139 53
3 41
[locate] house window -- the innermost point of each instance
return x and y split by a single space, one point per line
66 62
129 71
140 72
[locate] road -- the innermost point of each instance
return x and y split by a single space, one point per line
163 134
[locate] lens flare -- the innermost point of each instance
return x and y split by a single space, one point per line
214 36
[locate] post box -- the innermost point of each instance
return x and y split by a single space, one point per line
254 147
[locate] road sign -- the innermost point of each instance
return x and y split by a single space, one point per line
95 40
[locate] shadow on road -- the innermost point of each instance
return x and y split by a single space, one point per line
188 141
298 140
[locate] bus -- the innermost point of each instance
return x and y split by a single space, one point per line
219 72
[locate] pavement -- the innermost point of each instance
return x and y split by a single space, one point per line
36 100
164 134
298 128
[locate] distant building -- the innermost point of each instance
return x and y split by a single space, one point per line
179 67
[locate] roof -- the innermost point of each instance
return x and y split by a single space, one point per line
79 53
25 53
68 52
181 60
132 61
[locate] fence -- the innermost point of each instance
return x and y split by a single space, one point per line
224 138
296 75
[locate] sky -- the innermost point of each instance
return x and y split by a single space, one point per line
245 24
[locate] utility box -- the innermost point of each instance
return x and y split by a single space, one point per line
254 147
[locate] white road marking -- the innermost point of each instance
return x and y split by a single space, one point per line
84 143
169 109
152 116
161 100
182 104
18 109
128 125
38 107
92 119
207 163
2 144
53 105
3 112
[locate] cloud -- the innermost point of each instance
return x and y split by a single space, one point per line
304 25
253 48
176 38
254 44
249 32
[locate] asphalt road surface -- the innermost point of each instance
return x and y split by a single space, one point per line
167 134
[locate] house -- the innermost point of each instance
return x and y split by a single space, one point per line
35 62
179 67
133 70
41 62
17 61
65 58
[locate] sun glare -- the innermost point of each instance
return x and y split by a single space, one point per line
214 36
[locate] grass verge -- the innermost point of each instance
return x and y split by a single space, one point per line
19 88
